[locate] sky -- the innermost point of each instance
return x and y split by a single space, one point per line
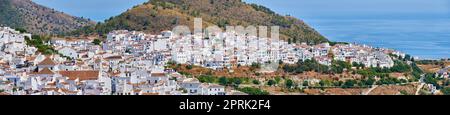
343 8
100 10
97 10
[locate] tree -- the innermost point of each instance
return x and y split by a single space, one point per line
289 83
38 42
294 40
355 64
277 80
325 83
307 65
349 83
407 57
339 66
305 83
403 92
237 82
174 21
184 90
369 81
256 65
361 65
429 78
253 91
222 23
97 41
403 81
256 82
21 30
338 83
189 67
446 90
207 79
223 81
400 67
271 82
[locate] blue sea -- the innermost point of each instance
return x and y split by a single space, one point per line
417 27
425 38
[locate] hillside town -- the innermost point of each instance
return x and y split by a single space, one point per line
224 50
134 63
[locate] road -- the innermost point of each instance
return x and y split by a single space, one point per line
419 87
370 90
422 83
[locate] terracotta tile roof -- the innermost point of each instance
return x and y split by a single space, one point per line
47 61
45 71
67 91
49 89
114 73
51 84
137 90
4 93
113 58
80 63
150 94
158 74
31 58
6 82
64 83
82 75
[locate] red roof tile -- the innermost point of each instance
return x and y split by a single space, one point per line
45 71
47 61
81 75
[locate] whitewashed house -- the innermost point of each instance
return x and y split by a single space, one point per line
212 89
69 52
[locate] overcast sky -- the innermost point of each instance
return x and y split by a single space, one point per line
102 9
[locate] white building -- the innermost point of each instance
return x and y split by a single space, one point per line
69 52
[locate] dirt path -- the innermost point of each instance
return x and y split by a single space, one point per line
370 90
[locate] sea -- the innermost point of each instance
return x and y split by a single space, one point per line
417 27
425 38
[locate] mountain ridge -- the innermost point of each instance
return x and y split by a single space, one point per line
38 19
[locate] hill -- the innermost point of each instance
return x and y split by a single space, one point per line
158 15
38 19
